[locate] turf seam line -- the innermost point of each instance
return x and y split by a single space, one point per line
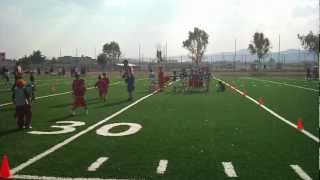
274 82
305 132
72 138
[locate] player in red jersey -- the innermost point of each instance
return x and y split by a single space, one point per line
161 78
103 86
78 91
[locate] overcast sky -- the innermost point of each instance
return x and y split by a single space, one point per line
48 25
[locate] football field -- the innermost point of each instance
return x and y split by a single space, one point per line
248 132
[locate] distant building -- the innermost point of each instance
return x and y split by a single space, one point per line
76 60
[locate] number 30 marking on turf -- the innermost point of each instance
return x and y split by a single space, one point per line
69 127
103 131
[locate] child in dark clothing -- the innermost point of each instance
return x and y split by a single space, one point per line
33 86
130 84
21 99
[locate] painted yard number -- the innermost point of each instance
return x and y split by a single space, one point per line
69 126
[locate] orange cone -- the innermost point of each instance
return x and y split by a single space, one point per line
5 169
261 101
300 124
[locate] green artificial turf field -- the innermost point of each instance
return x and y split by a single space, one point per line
194 135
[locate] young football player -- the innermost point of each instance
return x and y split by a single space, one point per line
161 78
32 83
103 86
130 84
22 101
78 91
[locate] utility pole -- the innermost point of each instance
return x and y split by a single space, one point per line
235 55
60 53
139 53
166 50
279 55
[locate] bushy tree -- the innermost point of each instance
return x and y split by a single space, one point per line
260 46
102 60
310 42
196 44
37 58
25 61
112 52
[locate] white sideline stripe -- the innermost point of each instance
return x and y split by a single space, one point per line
303 175
274 82
57 178
72 138
162 167
57 94
305 132
95 165
229 169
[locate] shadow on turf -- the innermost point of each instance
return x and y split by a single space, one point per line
115 103
61 118
89 101
10 131
6 109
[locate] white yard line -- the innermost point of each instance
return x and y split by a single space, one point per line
162 167
58 94
229 169
95 165
74 137
275 82
305 132
32 177
303 175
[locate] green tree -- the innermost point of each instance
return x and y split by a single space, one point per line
37 58
25 62
310 42
260 46
112 52
102 60
196 44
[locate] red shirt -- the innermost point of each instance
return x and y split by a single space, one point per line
78 87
